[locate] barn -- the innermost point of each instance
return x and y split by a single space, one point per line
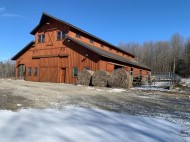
60 51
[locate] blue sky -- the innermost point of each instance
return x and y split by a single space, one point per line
112 20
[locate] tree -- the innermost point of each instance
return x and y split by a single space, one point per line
7 69
182 68
161 56
177 46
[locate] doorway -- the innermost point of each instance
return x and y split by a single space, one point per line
21 72
63 75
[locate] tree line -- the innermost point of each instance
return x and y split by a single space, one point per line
7 69
163 56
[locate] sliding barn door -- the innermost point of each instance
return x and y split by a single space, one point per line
48 69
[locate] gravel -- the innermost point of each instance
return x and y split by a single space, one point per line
17 94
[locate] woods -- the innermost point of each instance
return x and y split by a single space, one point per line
7 69
163 56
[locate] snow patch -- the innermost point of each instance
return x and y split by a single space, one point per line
79 85
152 88
19 105
112 90
185 82
80 124
116 90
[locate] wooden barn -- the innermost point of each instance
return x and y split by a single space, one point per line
60 51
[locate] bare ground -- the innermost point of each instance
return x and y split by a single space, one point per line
15 94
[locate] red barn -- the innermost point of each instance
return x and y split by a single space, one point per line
60 50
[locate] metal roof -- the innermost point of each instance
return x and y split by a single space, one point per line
45 16
108 54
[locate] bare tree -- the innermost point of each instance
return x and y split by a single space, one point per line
161 56
177 45
7 69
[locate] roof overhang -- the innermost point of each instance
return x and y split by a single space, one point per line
29 45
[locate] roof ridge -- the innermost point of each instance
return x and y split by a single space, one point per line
85 32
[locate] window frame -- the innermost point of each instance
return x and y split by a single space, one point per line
101 45
29 71
131 71
61 36
78 35
36 71
91 41
75 75
41 38
140 72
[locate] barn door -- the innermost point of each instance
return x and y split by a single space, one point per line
49 37
48 69
63 75
21 72
44 74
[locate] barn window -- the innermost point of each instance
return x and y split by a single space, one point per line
29 71
75 71
87 68
41 38
61 35
131 72
101 45
91 41
140 72
36 71
117 67
78 35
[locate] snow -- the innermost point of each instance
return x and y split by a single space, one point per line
116 90
73 124
153 88
111 90
158 86
185 82
19 105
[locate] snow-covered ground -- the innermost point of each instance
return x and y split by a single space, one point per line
161 85
185 82
153 88
74 124
111 90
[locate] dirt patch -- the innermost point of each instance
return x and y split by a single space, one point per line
12 102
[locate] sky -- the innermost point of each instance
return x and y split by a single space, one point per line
115 21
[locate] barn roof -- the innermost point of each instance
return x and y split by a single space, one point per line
46 16
95 49
108 54
23 50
